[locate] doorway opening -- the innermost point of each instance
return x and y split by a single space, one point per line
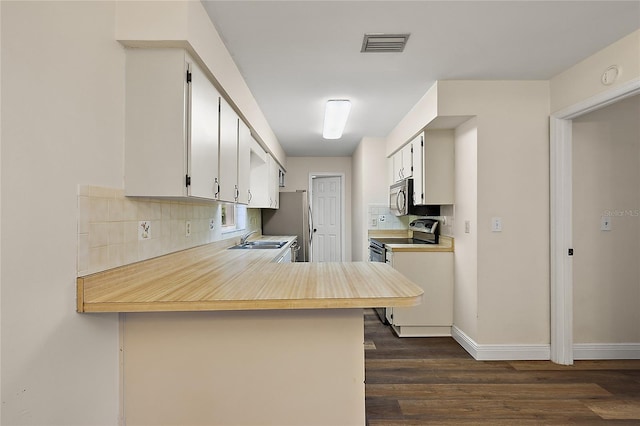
561 178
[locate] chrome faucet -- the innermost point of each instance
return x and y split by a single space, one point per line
243 239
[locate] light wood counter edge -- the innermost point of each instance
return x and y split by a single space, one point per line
229 304
252 305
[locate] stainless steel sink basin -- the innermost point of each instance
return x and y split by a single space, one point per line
264 245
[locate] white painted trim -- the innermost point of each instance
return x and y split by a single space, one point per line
586 351
561 238
601 100
343 207
561 241
517 352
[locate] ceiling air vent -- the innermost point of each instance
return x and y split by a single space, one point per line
384 42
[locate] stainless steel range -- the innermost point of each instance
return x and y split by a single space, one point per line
425 231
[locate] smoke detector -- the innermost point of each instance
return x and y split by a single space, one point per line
379 42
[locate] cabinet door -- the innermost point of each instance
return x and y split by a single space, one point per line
228 175
433 272
203 135
417 164
259 177
396 161
407 161
274 189
439 166
244 162
156 123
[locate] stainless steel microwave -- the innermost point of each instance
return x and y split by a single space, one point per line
401 201
401 197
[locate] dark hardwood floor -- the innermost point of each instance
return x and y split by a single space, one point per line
433 381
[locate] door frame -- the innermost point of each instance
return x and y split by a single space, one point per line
561 217
313 175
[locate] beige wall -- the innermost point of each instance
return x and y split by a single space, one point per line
297 177
465 315
583 80
606 183
62 124
513 183
370 186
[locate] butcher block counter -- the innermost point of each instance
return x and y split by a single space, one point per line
212 278
229 337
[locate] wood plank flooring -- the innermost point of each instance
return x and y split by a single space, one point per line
433 381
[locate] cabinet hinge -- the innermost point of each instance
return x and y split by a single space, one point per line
188 76
187 180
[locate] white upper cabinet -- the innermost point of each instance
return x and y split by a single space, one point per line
228 153
402 163
171 126
259 176
244 162
274 183
417 164
438 167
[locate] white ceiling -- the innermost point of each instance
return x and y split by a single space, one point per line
295 55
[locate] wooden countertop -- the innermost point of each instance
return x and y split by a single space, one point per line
210 277
446 244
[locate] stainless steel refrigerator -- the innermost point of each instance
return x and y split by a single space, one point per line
292 218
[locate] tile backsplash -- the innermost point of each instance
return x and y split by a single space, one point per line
380 217
114 230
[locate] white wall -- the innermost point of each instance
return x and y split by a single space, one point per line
606 182
466 244
297 177
62 124
370 186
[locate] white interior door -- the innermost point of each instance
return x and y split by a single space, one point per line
327 226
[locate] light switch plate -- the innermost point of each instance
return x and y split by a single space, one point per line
496 224
187 229
605 223
467 226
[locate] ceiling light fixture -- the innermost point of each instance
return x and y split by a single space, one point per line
335 118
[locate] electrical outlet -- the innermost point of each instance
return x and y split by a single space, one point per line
144 230
496 224
187 228
374 222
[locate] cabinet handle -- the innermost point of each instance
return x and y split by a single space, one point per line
217 193
237 193
250 196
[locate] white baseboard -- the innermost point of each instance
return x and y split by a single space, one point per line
501 352
585 351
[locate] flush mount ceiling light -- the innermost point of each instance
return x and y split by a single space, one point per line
379 42
335 118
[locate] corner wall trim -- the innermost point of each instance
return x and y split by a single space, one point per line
517 352
585 351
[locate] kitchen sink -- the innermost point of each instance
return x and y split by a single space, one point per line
253 245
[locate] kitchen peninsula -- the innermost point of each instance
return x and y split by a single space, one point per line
219 337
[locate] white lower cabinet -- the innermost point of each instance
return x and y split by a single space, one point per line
433 272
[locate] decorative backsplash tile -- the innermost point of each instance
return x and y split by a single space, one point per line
380 217
114 230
